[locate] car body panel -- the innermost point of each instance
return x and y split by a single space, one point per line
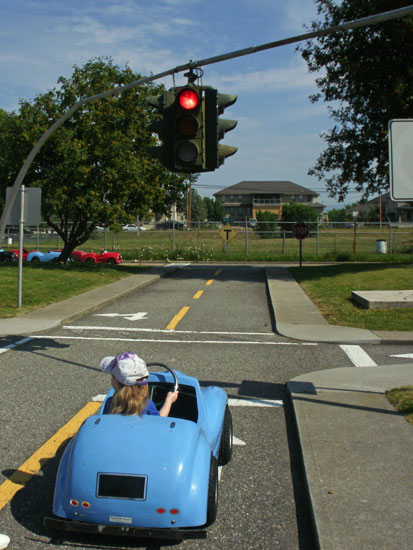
100 258
168 457
48 256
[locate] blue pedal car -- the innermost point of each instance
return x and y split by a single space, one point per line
147 476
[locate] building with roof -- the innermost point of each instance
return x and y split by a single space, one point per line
388 209
246 198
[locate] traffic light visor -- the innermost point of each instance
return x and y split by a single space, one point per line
188 99
187 125
187 152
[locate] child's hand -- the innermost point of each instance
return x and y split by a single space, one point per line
172 396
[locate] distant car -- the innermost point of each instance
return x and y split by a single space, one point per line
25 253
7 256
169 224
147 476
132 227
103 257
36 256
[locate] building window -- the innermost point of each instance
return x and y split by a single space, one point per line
232 198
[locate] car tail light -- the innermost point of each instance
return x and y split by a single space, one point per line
161 510
74 502
85 504
174 511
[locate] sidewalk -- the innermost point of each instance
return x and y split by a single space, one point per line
297 317
357 455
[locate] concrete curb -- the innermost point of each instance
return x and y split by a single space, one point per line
357 455
296 316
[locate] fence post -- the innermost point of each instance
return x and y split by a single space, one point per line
318 238
355 238
283 241
197 243
390 239
246 236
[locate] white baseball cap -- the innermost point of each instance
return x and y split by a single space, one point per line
127 368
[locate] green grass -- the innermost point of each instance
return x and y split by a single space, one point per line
205 244
47 283
402 401
329 287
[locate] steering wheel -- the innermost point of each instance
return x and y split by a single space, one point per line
156 364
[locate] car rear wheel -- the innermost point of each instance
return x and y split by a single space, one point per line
225 449
212 505
35 259
90 261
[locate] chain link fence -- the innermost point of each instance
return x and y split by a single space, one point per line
208 241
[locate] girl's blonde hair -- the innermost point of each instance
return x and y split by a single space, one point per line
129 400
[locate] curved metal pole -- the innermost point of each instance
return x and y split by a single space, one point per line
364 21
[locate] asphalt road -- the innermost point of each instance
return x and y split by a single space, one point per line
220 330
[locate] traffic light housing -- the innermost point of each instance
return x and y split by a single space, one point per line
190 128
215 128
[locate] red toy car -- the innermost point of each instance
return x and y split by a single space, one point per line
16 251
103 257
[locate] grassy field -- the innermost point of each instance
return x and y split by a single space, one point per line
204 243
48 283
402 401
330 288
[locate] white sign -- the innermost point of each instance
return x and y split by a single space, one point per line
401 159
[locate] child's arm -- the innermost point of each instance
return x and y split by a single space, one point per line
170 399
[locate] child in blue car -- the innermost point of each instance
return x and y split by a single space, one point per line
130 382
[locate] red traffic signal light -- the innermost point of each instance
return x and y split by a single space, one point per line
188 126
188 99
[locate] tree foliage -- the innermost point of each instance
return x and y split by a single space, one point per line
215 210
266 227
95 168
297 212
367 77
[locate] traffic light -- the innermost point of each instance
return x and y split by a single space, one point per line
190 128
164 128
215 128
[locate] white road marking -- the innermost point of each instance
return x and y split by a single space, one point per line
249 402
358 356
167 341
162 330
177 265
18 343
130 316
404 355
237 441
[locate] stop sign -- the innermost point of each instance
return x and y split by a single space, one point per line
300 230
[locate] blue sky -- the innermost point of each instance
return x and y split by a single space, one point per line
278 127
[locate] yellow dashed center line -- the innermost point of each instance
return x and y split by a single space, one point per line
217 272
197 294
183 311
34 464
209 283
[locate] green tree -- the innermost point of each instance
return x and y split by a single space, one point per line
94 169
368 78
215 210
296 212
198 207
266 226
339 215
